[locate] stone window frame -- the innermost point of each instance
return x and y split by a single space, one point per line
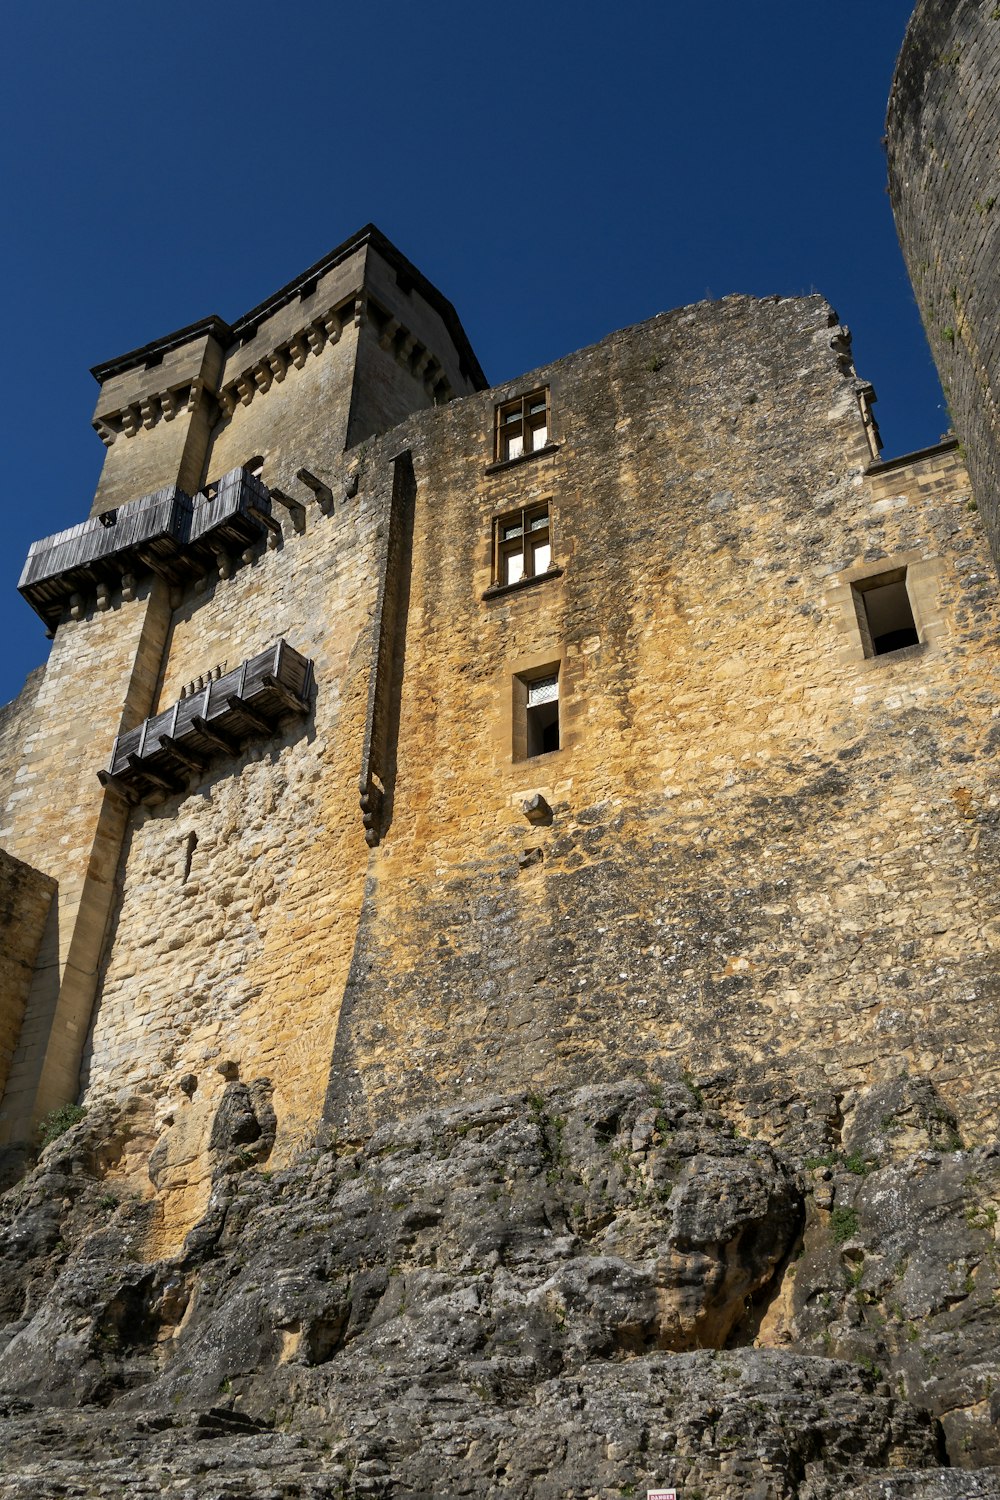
521 409
521 683
860 589
525 520
923 587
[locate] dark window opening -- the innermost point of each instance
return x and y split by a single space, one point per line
885 613
536 714
543 729
109 517
191 845
154 360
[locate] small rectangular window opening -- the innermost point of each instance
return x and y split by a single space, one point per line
522 426
543 715
522 546
885 613
536 713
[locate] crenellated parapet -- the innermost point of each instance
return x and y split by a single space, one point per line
322 333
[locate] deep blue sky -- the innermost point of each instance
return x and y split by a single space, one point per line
559 171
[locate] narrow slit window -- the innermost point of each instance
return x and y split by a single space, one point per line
885 613
190 845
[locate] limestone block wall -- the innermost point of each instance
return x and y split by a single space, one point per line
284 385
238 903
25 898
155 419
100 679
943 134
15 719
300 420
768 853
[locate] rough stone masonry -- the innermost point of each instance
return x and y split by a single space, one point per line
556 1056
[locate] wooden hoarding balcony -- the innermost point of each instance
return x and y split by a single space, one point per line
166 751
166 532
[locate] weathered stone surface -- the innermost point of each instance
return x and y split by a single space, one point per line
545 1297
943 138
901 1270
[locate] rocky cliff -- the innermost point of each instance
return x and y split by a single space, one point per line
737 1292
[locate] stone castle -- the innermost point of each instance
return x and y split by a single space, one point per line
407 742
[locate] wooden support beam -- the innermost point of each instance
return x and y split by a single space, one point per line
157 565
118 787
264 518
214 736
139 767
262 725
323 492
182 753
292 702
294 507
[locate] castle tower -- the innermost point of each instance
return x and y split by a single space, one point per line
142 597
943 137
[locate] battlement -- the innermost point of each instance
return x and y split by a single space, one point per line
178 409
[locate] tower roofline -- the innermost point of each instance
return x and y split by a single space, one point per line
230 333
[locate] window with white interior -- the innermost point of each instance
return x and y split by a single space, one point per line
522 544
522 425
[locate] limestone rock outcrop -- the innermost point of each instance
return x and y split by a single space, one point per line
579 1295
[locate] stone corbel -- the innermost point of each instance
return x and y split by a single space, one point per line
371 799
405 353
388 333
360 310
316 338
322 491
149 409
245 388
333 323
279 364
227 401
105 432
130 420
168 405
298 350
421 362
194 394
263 376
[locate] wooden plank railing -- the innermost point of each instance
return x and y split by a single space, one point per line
163 752
164 532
